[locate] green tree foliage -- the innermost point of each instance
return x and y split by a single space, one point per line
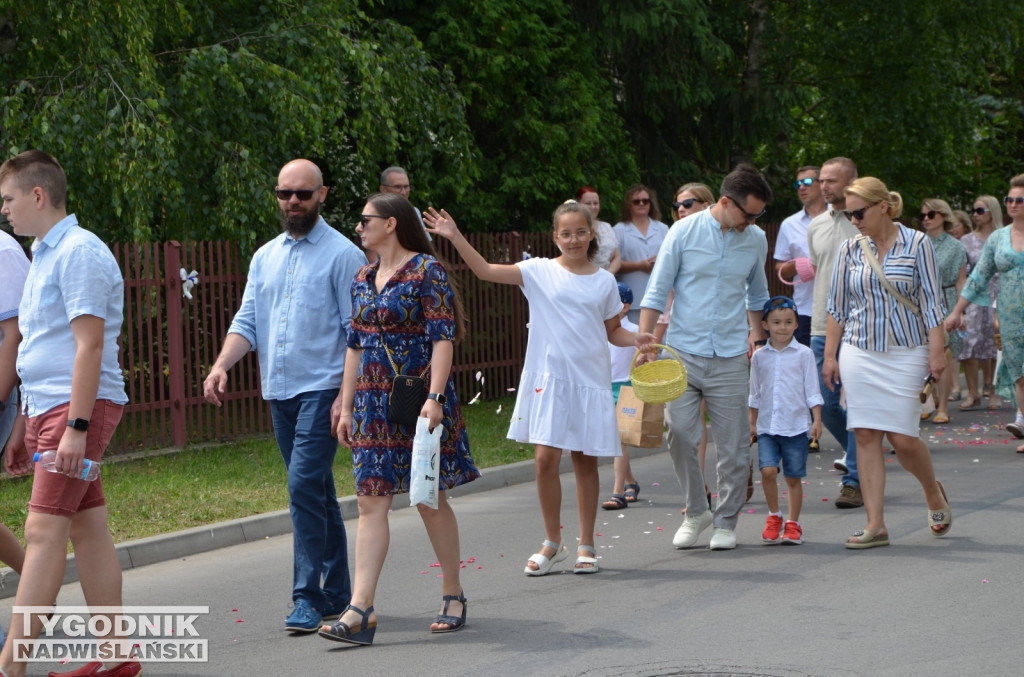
541 110
172 117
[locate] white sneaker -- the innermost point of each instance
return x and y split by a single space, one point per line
723 539
686 536
840 465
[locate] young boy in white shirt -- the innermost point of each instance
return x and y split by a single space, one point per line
785 409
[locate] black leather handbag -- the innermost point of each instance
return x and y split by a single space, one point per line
408 393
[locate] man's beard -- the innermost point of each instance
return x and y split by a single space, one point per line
299 225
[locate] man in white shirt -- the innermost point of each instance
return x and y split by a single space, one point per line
791 261
825 234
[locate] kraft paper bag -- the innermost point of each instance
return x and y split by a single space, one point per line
640 424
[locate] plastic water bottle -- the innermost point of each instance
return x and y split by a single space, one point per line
89 471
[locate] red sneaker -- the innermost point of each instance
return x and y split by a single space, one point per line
96 669
793 535
772 529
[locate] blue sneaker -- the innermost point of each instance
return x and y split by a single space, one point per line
304 618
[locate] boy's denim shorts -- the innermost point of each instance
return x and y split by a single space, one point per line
790 451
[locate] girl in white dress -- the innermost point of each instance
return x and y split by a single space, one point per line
564 399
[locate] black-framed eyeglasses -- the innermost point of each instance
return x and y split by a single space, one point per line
1013 200
641 200
685 204
303 195
807 181
746 214
980 210
927 215
858 214
365 218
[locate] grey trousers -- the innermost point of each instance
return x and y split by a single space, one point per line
724 383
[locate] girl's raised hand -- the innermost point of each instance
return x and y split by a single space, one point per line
440 223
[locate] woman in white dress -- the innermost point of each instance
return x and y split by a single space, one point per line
890 344
564 399
607 255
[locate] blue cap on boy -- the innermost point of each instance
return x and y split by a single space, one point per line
625 293
776 302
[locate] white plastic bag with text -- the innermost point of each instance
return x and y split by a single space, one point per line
425 470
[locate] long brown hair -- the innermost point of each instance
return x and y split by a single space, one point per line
411 236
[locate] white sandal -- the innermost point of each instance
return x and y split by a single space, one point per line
580 559
543 563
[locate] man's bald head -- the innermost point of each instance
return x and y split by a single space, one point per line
298 179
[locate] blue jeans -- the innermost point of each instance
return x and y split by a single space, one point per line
302 426
833 416
789 451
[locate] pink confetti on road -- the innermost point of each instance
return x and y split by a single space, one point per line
239 620
984 580
599 534
655 484
479 567
423 572
659 528
824 499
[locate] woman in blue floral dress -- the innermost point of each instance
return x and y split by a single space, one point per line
404 304
936 220
1003 253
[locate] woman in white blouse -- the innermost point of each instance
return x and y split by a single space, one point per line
607 255
891 343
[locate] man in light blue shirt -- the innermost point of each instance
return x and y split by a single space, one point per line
714 262
295 313
73 396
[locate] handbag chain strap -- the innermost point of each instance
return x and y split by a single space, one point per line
383 340
872 260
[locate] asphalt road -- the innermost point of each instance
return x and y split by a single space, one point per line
923 606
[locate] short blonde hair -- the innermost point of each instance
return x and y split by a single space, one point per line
873 191
942 207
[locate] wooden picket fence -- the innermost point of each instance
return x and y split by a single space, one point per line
169 342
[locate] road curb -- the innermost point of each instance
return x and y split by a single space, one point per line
180 544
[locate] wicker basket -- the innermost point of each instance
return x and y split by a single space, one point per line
658 381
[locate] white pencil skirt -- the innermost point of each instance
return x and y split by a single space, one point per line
882 389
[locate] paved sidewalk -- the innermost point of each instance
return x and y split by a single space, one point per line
922 606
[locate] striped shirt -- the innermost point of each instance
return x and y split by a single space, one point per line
871 317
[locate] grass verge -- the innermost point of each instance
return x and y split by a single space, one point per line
195 487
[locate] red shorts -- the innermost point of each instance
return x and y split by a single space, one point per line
57 494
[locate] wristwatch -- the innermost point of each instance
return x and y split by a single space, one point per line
80 424
437 397
762 342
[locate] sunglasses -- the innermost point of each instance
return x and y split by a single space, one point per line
980 210
927 215
685 204
365 218
858 214
748 215
303 195
1013 200
803 182
641 201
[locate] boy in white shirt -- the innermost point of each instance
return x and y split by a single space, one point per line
625 490
785 408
